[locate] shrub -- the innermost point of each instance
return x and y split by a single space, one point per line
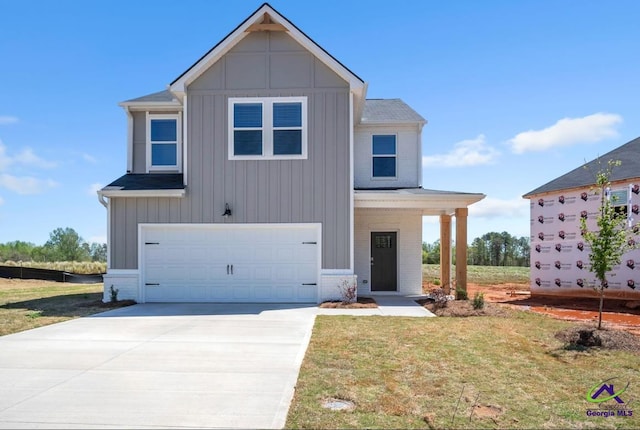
439 298
114 294
478 301
461 294
348 291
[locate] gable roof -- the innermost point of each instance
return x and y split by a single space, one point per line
179 84
628 154
389 111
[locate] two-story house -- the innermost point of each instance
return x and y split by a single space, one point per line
560 257
263 174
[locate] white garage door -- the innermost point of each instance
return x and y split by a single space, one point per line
230 262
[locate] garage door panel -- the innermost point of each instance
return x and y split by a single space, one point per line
306 293
263 273
284 292
219 292
266 263
263 253
241 292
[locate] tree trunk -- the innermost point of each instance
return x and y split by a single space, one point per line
600 307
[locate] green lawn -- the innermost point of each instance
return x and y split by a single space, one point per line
27 304
411 373
482 275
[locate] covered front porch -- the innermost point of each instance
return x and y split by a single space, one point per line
388 238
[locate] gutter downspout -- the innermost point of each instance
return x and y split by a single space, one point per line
107 205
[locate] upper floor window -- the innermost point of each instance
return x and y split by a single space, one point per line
384 156
163 142
620 201
267 128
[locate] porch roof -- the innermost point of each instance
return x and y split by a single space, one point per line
430 202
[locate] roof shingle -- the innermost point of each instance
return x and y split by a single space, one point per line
160 96
583 176
389 111
148 181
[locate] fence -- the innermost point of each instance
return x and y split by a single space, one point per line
18 272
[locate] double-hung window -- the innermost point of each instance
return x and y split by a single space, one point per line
163 142
384 156
267 128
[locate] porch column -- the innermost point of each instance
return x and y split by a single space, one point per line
445 252
461 248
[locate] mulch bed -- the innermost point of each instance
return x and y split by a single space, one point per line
109 305
362 303
462 308
587 336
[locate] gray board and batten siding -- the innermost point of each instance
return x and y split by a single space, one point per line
312 190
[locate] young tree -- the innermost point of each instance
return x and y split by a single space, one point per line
611 239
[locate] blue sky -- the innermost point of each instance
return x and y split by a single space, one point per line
516 92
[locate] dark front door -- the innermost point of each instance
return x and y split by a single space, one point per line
384 262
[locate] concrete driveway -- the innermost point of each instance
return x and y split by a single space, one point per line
157 366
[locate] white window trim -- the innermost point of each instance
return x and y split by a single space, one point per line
395 156
267 128
178 166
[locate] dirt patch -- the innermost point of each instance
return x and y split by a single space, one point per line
362 303
487 411
616 314
462 308
584 336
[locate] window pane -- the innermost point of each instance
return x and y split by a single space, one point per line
384 145
287 114
287 142
164 130
384 166
247 142
247 115
619 197
163 154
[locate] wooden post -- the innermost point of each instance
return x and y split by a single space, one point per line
445 252
461 248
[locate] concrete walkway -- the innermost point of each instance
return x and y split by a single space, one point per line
396 306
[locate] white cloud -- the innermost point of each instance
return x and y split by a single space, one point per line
1 200
471 152
566 132
8 119
25 184
89 158
491 207
5 160
26 158
29 158
93 189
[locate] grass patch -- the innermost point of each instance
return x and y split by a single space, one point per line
27 304
411 372
482 275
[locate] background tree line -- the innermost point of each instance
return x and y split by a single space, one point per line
490 249
64 244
